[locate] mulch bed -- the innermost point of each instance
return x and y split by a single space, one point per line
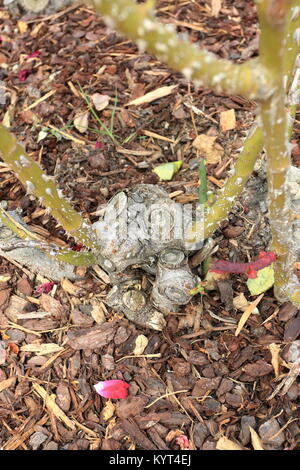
196 378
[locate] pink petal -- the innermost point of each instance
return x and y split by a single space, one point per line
23 74
112 388
184 443
99 145
34 54
44 288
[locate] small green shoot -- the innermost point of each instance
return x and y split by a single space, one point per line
202 183
107 131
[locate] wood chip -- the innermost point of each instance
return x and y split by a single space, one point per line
22 26
98 312
24 432
4 384
158 136
33 315
73 89
15 307
216 7
40 100
92 338
130 426
69 287
101 274
152 95
42 349
137 153
52 406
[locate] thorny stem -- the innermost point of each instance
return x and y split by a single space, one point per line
138 22
65 255
273 20
236 182
253 144
42 186
265 80
292 45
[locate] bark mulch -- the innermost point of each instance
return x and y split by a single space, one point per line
196 379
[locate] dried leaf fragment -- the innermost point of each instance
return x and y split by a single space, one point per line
81 121
247 314
208 148
227 120
216 7
275 350
241 303
100 101
256 440
108 411
141 343
226 444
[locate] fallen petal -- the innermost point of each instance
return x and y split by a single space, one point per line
34 54
99 145
184 443
112 389
44 288
23 74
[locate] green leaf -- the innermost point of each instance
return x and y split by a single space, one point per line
42 134
263 282
166 171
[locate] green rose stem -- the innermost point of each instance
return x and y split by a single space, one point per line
65 255
253 144
236 182
137 21
292 43
279 32
267 80
42 186
273 21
